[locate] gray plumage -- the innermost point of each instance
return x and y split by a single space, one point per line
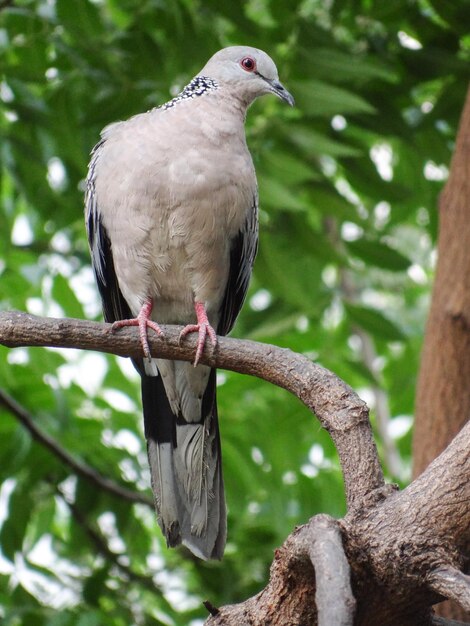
171 213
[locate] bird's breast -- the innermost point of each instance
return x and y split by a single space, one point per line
172 198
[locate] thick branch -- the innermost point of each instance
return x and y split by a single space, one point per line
78 467
391 545
407 534
339 409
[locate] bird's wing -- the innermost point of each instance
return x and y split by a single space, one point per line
115 306
242 256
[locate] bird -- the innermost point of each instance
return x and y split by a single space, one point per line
171 211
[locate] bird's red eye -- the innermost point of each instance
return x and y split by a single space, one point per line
248 64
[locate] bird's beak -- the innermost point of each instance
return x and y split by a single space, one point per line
281 92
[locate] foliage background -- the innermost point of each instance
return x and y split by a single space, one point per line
349 182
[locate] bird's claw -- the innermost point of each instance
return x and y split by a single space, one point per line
204 330
143 322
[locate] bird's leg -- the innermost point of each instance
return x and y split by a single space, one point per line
143 321
203 328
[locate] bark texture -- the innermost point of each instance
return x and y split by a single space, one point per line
443 392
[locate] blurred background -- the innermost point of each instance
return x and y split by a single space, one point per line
349 183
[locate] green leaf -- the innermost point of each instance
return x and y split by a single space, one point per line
317 98
374 322
273 192
64 295
80 18
329 202
20 508
379 254
288 168
339 66
94 587
312 142
296 277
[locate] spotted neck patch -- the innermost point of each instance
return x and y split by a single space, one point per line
197 87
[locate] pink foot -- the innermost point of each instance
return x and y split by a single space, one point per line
203 328
143 321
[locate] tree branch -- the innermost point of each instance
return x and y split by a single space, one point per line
341 412
101 546
452 584
334 598
408 533
390 545
78 467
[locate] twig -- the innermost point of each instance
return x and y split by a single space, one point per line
334 598
102 547
452 584
211 609
78 467
336 405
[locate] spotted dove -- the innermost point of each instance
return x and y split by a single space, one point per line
172 222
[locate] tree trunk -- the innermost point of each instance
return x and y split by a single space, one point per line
443 393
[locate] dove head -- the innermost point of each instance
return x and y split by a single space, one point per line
248 72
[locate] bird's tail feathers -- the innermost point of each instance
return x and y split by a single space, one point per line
186 471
